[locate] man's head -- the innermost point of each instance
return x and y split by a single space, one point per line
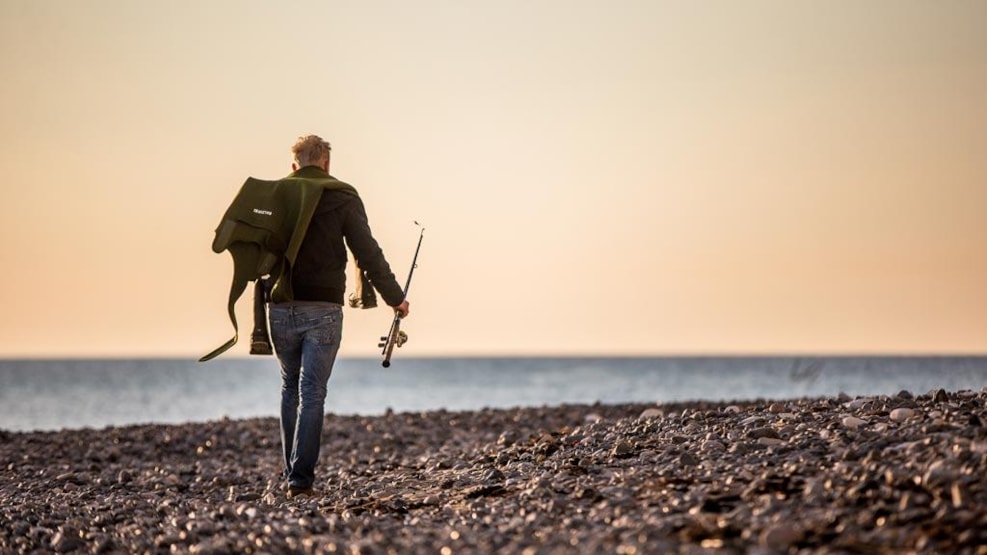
311 150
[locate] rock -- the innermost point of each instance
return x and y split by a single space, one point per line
507 437
776 408
853 423
687 459
592 417
939 474
66 477
859 403
622 449
902 414
781 536
739 448
752 421
494 475
63 543
651 413
770 441
762 432
713 445
19 529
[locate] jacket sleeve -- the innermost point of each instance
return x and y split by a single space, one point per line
368 254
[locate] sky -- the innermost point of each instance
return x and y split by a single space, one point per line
594 178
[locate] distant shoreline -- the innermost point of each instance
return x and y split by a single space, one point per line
39 395
882 473
843 355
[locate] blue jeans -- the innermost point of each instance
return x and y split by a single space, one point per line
306 339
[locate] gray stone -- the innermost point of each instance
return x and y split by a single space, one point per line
771 441
853 423
902 414
651 413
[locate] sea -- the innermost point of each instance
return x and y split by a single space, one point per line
44 395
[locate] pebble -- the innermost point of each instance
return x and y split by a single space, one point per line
859 403
651 413
622 448
770 441
776 476
853 423
902 414
781 536
757 433
687 459
776 408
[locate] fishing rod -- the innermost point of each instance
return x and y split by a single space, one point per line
396 337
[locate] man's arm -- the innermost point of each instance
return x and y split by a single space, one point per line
360 240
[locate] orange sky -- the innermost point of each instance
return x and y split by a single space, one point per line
637 177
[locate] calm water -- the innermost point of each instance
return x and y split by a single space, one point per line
48 395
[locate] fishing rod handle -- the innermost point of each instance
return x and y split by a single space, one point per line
392 339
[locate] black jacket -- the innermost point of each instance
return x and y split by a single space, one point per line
319 273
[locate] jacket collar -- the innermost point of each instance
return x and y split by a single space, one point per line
310 171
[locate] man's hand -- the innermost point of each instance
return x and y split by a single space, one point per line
402 309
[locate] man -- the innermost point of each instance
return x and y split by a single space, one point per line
306 331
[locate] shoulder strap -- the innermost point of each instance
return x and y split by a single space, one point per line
246 257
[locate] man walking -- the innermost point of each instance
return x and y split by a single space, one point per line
307 330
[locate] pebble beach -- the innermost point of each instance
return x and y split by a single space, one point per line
901 473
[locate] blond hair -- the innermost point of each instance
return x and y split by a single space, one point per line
311 150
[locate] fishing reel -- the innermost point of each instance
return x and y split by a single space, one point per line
401 339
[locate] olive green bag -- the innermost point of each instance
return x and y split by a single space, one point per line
263 229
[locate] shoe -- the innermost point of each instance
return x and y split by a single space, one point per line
300 492
261 347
